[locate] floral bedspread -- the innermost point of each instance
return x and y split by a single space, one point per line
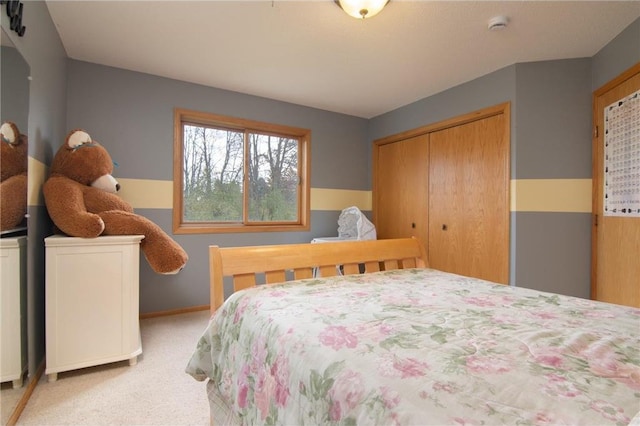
421 347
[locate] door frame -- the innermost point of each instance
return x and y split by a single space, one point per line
502 108
596 179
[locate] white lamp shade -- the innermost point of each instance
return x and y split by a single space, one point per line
362 8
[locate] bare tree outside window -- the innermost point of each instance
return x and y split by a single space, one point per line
212 174
237 175
273 178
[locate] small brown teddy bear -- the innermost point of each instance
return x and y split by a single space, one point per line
13 176
81 200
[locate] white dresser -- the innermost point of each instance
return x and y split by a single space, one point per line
13 309
92 301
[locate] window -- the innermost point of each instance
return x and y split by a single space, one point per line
236 175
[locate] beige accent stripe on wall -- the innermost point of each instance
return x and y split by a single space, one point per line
147 193
38 172
155 194
551 195
527 195
339 199
158 194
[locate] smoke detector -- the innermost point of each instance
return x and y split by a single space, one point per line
498 23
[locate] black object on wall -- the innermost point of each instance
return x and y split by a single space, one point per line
14 12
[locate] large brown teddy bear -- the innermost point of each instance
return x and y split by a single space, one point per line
13 176
81 200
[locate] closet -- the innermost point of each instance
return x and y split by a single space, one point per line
448 184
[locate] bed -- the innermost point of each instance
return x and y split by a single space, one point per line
363 332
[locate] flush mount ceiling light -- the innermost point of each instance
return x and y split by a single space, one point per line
362 9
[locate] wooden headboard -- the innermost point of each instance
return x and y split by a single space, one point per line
243 263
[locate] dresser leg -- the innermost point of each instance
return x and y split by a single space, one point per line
133 361
17 383
52 377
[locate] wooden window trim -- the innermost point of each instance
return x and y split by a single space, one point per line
195 117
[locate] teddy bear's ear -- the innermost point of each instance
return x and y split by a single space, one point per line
77 138
9 133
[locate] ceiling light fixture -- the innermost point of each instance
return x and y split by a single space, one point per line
362 9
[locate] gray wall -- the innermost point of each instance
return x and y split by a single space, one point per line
550 139
491 89
15 88
126 123
43 51
131 114
553 104
617 56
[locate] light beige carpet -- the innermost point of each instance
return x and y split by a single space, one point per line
9 398
155 391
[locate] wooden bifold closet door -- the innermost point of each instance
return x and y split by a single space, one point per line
401 189
448 184
468 200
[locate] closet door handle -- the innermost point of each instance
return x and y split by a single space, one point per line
444 226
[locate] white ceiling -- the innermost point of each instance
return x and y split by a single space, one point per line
312 53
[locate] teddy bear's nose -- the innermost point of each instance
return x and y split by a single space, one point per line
117 187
